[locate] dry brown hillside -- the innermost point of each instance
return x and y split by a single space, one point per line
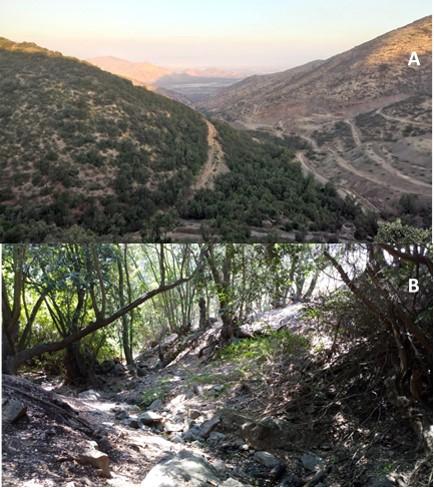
345 82
365 115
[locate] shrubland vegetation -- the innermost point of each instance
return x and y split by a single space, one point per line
265 185
81 146
85 155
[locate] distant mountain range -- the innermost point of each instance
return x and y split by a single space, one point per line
186 85
147 73
139 73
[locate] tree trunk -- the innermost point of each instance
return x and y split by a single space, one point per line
202 313
228 329
76 369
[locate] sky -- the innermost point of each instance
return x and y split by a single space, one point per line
263 34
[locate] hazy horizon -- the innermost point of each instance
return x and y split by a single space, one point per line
236 34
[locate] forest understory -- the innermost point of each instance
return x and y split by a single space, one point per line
287 383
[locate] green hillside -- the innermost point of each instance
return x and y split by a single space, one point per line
85 154
81 146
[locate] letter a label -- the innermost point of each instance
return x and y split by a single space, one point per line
414 59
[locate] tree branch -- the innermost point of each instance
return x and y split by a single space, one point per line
94 326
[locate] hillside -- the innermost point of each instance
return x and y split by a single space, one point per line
365 114
343 83
86 154
81 146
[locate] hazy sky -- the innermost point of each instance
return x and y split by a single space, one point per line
225 33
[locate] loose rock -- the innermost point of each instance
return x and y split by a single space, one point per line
267 459
380 480
232 482
13 410
150 418
183 469
208 426
311 461
216 437
89 395
173 427
134 424
156 405
194 414
121 415
192 434
94 457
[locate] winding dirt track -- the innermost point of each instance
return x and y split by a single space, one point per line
215 163
342 192
426 188
346 166
376 158
355 132
401 120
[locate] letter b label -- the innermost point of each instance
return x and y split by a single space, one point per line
413 285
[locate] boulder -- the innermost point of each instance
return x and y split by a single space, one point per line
268 434
97 459
183 469
150 418
264 434
12 410
266 459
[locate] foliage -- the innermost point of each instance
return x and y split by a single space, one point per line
158 392
263 348
401 234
